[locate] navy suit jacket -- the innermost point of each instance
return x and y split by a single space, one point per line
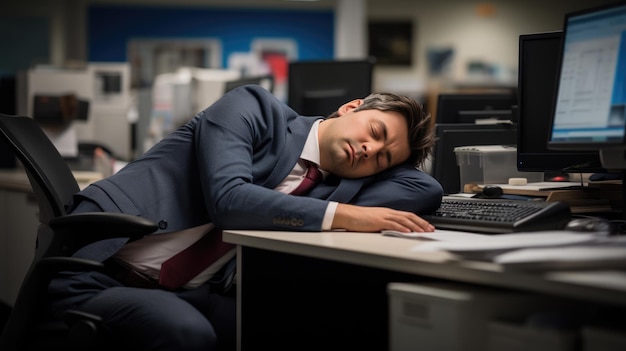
223 165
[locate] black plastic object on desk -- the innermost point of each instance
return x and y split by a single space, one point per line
499 216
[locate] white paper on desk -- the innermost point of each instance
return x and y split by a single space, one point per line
539 186
437 235
501 242
571 257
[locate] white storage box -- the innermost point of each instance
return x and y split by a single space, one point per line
490 164
449 317
517 337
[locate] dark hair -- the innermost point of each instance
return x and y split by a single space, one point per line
421 135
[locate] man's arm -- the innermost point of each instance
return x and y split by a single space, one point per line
374 219
402 188
392 201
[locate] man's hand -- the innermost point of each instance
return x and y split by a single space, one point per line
375 219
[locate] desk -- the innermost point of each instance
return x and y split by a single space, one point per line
331 285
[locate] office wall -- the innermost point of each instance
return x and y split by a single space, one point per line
110 27
442 23
16 55
477 31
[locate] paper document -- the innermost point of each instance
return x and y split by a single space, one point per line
486 247
437 235
541 186
571 257
512 241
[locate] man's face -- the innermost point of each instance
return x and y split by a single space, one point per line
359 144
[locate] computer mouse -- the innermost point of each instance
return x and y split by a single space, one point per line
605 176
492 191
591 224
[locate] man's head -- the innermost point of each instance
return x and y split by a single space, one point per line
366 136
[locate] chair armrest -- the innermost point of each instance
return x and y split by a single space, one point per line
105 225
80 229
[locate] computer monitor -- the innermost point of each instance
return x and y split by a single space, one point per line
475 107
539 55
450 135
590 105
320 87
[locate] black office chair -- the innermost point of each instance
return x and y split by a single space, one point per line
59 236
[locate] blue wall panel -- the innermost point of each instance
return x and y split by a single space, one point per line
111 27
25 41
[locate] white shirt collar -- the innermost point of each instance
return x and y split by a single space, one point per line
311 151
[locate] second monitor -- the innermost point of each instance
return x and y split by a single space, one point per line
474 107
318 88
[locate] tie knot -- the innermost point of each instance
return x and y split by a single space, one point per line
313 176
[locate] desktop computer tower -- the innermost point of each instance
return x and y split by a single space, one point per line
450 317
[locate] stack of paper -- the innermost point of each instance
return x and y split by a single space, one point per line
528 250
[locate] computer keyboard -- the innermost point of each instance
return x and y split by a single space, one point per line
498 216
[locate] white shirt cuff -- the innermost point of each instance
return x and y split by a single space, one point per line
329 215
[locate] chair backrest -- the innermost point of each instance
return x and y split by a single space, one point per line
43 163
53 185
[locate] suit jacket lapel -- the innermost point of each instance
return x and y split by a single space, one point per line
287 157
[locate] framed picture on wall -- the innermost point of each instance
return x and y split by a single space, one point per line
391 42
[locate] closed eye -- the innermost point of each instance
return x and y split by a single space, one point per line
378 128
375 134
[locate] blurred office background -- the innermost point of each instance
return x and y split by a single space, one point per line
121 47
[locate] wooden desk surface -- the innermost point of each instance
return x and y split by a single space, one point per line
376 250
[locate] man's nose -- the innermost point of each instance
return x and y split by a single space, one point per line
371 148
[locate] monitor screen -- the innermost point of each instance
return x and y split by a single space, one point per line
475 107
538 67
450 135
320 87
590 105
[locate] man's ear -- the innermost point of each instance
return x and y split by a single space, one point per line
349 106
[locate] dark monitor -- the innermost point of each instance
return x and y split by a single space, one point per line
319 87
474 107
266 81
590 104
450 135
538 67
